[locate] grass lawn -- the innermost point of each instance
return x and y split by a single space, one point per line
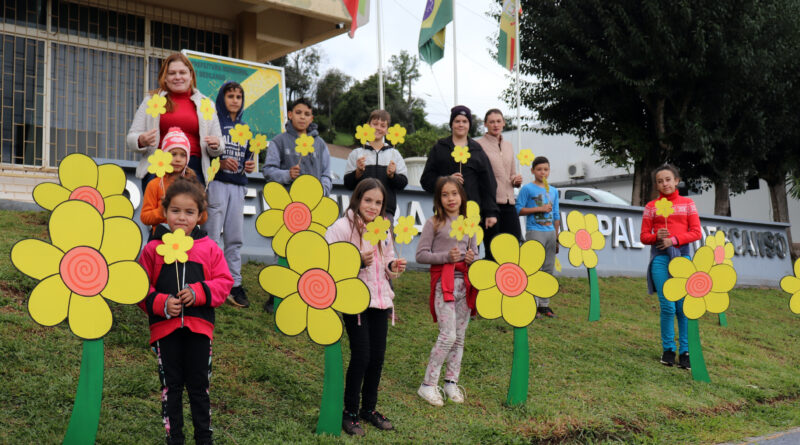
590 382
343 138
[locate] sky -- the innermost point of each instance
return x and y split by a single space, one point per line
481 79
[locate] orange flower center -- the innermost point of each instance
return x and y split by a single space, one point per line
583 239
176 246
405 229
699 284
511 279
297 217
317 288
84 271
90 195
719 255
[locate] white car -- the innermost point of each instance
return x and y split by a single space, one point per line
588 194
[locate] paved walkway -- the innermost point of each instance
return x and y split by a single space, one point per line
791 437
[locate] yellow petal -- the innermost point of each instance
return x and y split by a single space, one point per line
481 274
122 240
280 240
36 258
89 317
276 196
48 195
473 210
723 277
306 189
592 225
531 256
674 289
794 303
76 223
324 326
789 283
681 267
291 315
575 221
110 180
317 228
77 170
118 205
703 259
352 296
488 303
719 237
797 268
598 241
542 284
127 283
728 250
711 241
278 281
575 255
694 308
717 302
269 222
519 311
566 239
589 259
326 212
307 250
49 301
345 261
505 249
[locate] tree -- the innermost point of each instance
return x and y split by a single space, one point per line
301 68
328 91
404 70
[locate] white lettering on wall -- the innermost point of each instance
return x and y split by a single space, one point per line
620 233
635 243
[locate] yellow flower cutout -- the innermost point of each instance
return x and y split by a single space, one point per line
258 143
156 105
160 163
212 169
723 251
703 284
558 265
396 134
582 239
791 284
405 230
207 109
240 134
88 261
664 208
176 247
365 133
507 285
472 222
303 207
82 179
377 230
458 228
525 156
304 145
460 154
546 185
321 280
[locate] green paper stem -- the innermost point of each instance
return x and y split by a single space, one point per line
86 411
594 295
277 301
330 409
723 320
518 387
699 371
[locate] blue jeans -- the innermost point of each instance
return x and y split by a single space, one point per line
669 309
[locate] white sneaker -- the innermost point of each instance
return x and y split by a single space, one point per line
430 394
453 392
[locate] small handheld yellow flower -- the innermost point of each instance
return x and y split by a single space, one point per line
664 208
258 143
723 251
156 105
546 185
304 145
175 247
160 163
404 230
557 265
525 157
365 133
791 284
240 134
472 222
377 230
207 109
396 134
458 228
582 239
702 284
460 154
213 169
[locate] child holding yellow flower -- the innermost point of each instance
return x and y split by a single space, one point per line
669 235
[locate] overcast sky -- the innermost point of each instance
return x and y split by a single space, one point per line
481 79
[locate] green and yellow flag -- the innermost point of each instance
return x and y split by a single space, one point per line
438 13
507 43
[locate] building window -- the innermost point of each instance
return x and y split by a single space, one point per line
177 38
31 13
96 23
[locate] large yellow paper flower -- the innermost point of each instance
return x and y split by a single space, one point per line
213 169
176 247
376 230
156 105
723 251
664 208
82 179
304 145
320 280
396 135
302 208
525 157
458 228
582 239
507 285
160 163
365 133
791 284
472 223
704 285
258 143
90 260
207 109
460 154
240 134
405 230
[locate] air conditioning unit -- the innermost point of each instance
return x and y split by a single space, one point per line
576 171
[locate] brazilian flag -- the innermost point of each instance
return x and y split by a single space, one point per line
438 13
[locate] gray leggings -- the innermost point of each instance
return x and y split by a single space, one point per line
548 240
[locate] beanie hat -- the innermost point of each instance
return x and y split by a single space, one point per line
460 110
175 138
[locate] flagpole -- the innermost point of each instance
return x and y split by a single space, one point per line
380 59
516 63
455 58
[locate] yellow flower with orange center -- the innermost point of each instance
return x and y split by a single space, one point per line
240 134
460 154
791 284
365 133
160 163
176 247
304 145
396 134
213 169
664 208
258 143
582 239
207 109
525 157
405 229
723 251
376 230
703 284
156 105
472 223
458 228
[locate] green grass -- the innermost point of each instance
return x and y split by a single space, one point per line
590 382
343 138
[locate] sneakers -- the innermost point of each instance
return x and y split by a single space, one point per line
238 297
377 420
350 424
545 312
668 358
683 361
430 394
269 306
453 392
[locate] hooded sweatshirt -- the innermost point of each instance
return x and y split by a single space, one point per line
232 150
281 156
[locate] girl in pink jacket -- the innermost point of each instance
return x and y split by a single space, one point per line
367 330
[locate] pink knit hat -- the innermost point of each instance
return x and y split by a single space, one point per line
175 138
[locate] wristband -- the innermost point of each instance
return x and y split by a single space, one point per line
168 316
674 240
194 295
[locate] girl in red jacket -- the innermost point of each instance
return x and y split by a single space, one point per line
669 237
182 316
